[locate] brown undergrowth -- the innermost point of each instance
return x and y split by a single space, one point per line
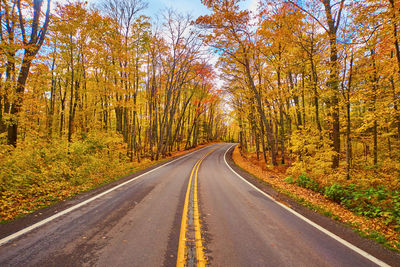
372 228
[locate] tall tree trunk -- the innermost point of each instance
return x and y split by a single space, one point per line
397 52
374 97
17 105
32 47
71 101
268 128
282 134
333 24
348 121
314 75
52 100
295 99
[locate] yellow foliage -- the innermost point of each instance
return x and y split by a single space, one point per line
38 173
312 153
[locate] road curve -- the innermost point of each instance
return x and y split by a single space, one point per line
246 228
139 224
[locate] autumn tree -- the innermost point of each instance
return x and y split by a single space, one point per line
231 34
29 39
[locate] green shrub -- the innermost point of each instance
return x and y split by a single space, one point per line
289 180
335 192
308 183
372 202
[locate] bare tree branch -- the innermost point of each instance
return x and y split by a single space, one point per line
21 22
339 14
308 13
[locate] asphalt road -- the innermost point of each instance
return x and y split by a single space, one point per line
139 224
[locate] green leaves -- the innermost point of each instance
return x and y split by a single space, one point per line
371 202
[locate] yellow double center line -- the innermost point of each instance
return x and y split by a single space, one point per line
181 259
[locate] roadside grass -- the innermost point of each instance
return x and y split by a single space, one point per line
37 175
369 221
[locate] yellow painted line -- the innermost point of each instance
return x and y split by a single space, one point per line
201 260
181 259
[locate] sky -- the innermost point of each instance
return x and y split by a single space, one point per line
193 7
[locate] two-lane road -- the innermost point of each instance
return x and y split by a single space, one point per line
139 224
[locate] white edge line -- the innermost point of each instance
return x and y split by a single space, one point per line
325 231
61 213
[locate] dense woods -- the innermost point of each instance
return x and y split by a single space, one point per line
314 85
106 70
105 87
